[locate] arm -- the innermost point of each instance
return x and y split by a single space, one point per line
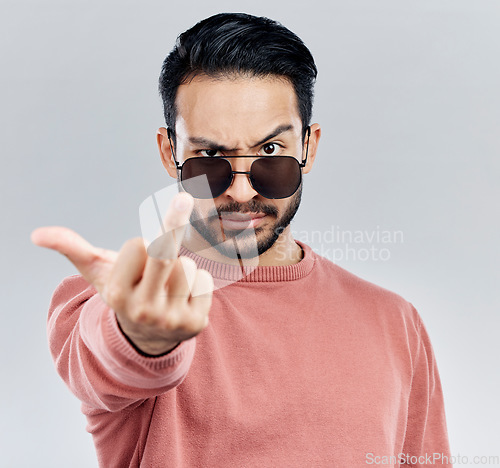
95 359
122 331
426 432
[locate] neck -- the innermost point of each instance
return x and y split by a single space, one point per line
285 251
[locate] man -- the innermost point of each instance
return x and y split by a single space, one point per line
301 363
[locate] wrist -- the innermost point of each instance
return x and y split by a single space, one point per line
147 348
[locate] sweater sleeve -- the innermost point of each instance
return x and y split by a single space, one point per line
426 440
95 359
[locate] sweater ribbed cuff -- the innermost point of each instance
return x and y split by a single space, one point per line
101 334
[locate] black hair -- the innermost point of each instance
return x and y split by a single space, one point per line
229 44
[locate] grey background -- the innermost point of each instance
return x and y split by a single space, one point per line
408 98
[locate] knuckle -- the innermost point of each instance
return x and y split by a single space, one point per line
161 248
115 296
194 322
166 262
182 317
186 267
142 314
203 284
171 322
203 320
136 243
96 254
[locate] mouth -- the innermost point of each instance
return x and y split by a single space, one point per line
240 221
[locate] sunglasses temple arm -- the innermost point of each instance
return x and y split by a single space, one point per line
304 161
169 134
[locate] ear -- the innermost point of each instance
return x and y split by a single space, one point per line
313 146
167 158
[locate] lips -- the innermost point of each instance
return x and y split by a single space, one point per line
239 221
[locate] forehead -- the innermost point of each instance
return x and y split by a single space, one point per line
241 105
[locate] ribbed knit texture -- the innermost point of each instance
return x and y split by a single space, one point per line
300 366
232 273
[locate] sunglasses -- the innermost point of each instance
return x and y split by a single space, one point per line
270 176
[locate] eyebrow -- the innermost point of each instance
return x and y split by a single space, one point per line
206 143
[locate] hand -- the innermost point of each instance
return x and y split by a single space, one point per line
159 299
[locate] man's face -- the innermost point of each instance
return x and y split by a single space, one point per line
240 116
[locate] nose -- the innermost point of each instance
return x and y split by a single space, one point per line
240 189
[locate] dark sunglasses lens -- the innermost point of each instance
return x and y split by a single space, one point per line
217 172
276 176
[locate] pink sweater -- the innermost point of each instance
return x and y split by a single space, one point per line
301 366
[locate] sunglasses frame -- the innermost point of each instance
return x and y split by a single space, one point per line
248 173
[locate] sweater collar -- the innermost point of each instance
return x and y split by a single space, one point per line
223 273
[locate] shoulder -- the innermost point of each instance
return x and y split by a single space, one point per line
356 291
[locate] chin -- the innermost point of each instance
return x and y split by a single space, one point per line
249 243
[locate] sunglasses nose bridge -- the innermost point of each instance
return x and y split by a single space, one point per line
241 186
241 189
240 165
